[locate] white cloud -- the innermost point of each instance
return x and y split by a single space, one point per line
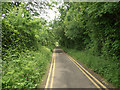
52 13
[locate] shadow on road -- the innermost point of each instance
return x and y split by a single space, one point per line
58 50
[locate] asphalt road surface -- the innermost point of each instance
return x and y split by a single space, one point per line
65 72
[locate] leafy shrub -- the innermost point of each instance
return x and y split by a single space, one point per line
27 70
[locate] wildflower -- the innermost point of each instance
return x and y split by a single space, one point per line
27 73
22 75
3 71
26 78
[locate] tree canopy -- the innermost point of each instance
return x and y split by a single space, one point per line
90 26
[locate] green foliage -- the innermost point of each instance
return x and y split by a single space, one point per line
93 27
27 44
27 70
21 31
84 26
107 69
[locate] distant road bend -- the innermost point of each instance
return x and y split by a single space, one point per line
65 72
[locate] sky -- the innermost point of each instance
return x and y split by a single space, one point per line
51 14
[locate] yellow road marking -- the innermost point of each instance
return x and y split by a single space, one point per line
53 74
90 74
85 74
46 86
53 59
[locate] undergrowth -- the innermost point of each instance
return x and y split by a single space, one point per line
25 70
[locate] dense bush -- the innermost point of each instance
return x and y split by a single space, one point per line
27 70
85 26
26 47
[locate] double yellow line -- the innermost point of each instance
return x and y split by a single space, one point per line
50 78
49 83
87 74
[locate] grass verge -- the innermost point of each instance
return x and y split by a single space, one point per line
27 70
108 69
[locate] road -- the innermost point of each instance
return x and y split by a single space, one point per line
65 72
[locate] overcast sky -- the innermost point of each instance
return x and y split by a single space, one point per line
51 14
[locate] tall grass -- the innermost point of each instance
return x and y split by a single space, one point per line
25 70
108 69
